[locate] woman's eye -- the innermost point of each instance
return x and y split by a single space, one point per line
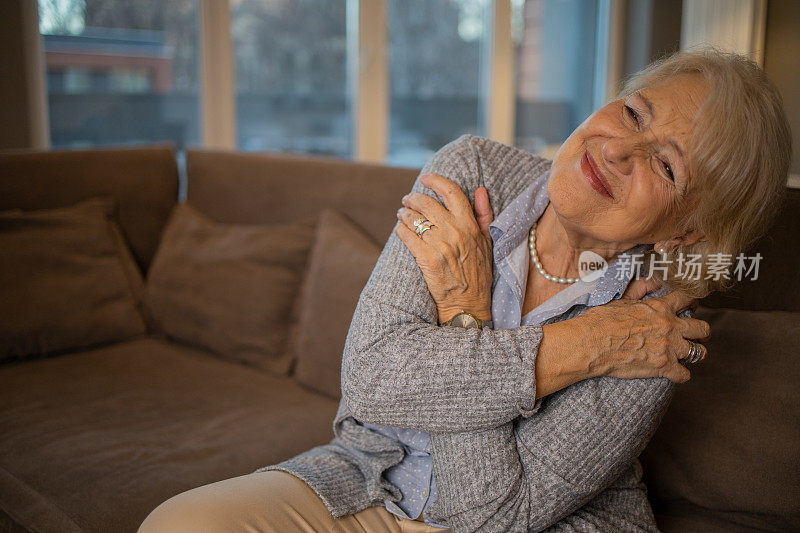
668 170
632 114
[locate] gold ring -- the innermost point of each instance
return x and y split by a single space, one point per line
422 229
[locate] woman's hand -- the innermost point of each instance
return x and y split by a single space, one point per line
455 255
626 338
632 338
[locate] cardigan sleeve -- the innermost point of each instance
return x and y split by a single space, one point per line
553 463
399 368
622 506
546 470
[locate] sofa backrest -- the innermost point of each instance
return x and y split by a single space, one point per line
725 455
778 283
143 180
262 188
258 188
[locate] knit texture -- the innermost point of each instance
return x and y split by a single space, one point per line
501 464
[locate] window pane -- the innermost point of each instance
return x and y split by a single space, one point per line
434 62
291 83
555 43
121 72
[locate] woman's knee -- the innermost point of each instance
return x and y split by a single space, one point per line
180 514
212 507
254 501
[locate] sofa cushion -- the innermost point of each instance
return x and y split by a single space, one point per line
341 261
228 288
729 440
266 188
684 517
142 180
68 280
94 441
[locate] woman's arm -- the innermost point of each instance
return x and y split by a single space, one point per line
400 368
622 506
547 467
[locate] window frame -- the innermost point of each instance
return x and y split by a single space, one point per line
368 73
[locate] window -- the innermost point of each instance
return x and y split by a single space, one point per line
121 72
555 45
291 76
127 71
435 68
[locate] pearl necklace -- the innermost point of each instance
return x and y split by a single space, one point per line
539 267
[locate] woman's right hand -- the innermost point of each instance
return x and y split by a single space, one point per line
632 338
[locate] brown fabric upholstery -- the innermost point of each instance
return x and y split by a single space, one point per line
143 181
341 261
259 188
688 518
96 440
67 280
778 284
729 441
229 288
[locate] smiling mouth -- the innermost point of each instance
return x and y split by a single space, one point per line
592 173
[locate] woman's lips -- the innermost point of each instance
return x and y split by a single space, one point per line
594 176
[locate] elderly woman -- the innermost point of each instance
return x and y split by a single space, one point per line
481 375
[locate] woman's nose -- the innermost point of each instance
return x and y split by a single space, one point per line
620 152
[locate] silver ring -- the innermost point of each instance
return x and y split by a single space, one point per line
423 227
420 221
695 352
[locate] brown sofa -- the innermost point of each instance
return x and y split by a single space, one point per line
93 438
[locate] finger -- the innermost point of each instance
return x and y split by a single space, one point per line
639 287
686 349
409 217
427 207
678 373
693 328
678 301
483 211
412 241
454 198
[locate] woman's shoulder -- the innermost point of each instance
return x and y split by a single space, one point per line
472 161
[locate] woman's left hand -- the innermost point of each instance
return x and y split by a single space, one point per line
455 255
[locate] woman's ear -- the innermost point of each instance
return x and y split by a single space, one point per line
691 238
684 240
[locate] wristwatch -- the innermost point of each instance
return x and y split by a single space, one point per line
467 320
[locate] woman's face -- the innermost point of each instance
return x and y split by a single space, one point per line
636 148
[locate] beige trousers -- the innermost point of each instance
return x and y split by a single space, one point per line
270 501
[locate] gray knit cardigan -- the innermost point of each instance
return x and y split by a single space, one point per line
500 462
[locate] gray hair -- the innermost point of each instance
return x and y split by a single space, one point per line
739 156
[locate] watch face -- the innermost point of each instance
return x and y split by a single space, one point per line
467 321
